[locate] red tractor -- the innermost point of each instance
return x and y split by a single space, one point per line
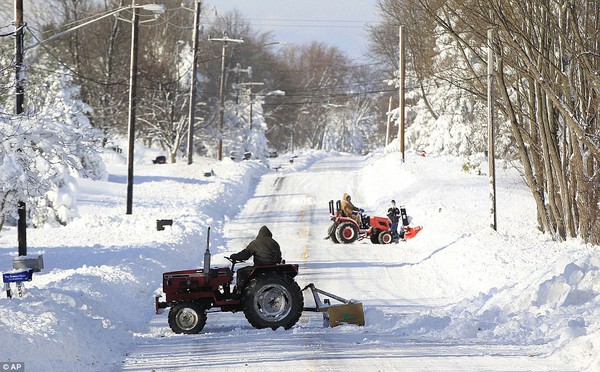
346 230
268 295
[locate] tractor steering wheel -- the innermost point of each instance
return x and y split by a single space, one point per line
233 262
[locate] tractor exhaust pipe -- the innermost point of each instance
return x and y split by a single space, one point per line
207 257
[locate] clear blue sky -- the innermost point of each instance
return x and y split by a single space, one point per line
339 23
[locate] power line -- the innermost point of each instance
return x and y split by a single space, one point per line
310 20
269 24
9 33
309 23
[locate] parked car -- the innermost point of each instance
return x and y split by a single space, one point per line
160 160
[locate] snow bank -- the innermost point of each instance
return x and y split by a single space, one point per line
102 270
514 286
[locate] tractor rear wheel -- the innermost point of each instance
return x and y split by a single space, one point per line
385 237
331 233
346 232
187 317
272 300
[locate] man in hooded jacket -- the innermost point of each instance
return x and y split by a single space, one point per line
350 210
264 248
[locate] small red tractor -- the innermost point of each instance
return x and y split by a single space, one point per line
346 230
268 295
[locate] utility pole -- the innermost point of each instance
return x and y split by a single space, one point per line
192 108
491 149
19 25
389 119
132 103
221 103
250 85
401 67
225 40
19 100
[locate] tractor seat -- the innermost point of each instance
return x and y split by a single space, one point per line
242 275
366 220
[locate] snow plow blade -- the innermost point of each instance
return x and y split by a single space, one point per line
411 232
348 312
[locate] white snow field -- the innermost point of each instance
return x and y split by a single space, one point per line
458 297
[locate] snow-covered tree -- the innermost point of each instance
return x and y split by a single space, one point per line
62 103
163 117
244 134
43 149
443 116
350 127
546 94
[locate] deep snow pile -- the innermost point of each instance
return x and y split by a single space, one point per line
513 287
540 291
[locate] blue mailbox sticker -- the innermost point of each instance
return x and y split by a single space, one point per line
17 276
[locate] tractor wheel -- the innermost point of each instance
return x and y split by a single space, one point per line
272 300
331 233
187 317
346 232
375 236
385 237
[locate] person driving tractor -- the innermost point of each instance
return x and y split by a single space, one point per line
264 248
350 210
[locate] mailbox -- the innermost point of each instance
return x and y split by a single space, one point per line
35 263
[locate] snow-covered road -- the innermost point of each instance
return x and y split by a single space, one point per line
395 283
458 297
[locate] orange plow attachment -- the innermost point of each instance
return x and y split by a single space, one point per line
411 232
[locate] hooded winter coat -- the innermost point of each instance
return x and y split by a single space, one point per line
264 248
348 208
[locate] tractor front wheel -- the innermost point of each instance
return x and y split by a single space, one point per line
385 237
272 300
187 317
375 236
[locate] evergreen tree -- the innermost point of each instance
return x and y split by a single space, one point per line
43 149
